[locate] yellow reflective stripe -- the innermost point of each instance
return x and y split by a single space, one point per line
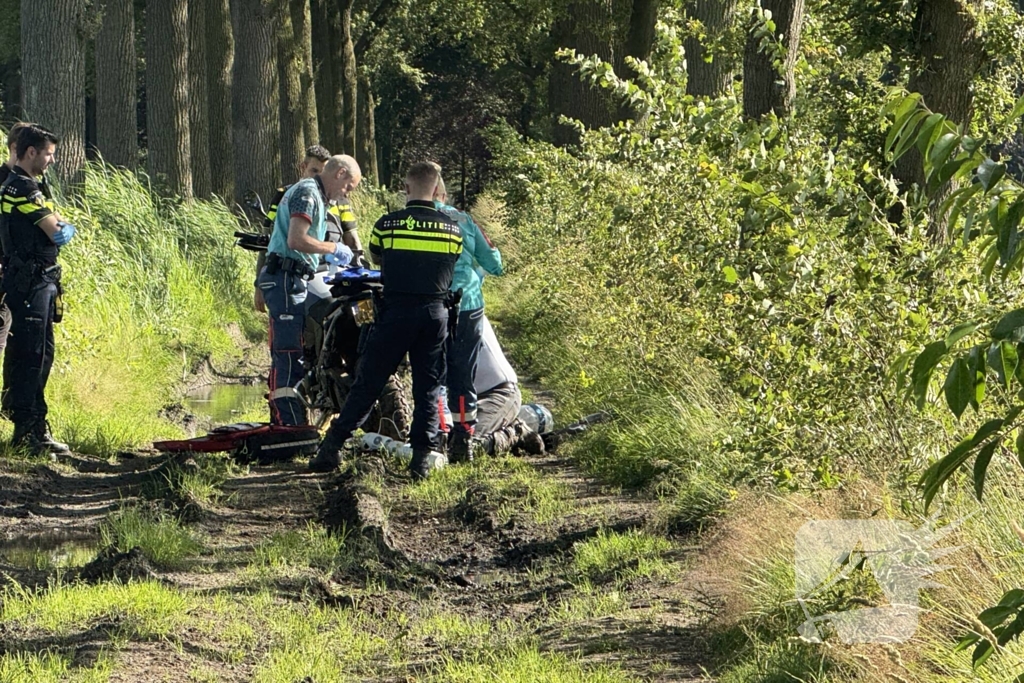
272 213
433 246
28 208
418 234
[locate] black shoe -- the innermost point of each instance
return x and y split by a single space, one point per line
56 447
328 456
460 448
532 443
28 440
419 467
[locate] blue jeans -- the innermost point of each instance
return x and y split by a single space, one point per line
285 296
463 352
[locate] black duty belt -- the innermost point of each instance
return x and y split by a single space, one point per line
277 263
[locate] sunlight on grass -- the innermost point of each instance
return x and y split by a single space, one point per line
511 485
143 609
314 546
47 667
620 556
163 540
321 644
525 666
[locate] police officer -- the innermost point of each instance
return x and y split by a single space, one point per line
417 248
31 234
341 219
297 240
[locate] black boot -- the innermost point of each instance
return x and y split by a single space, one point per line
56 447
419 467
460 448
328 456
26 438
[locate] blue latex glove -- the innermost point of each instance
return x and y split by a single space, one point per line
64 235
342 255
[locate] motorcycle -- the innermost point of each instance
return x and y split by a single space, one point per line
339 312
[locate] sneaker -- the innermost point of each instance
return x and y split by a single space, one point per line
28 440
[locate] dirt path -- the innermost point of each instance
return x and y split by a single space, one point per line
488 566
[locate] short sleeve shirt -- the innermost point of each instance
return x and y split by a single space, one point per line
305 199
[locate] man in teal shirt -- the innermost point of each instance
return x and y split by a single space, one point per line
293 254
478 254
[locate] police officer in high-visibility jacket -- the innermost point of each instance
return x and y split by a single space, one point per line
293 255
417 248
31 234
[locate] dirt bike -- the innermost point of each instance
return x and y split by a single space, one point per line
339 313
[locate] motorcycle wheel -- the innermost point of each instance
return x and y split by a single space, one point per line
392 415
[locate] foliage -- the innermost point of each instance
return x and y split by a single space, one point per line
161 538
984 351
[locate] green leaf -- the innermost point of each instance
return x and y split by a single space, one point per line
982 653
1013 597
981 466
941 150
1008 324
990 172
904 111
941 470
1020 446
986 430
1012 630
1002 357
976 359
921 374
967 641
730 274
928 128
959 386
994 616
1018 111
960 331
909 134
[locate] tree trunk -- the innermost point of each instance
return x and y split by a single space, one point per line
765 87
708 74
220 56
949 46
323 69
289 66
337 58
639 39
254 99
585 28
198 99
116 136
302 25
350 84
367 137
167 120
53 77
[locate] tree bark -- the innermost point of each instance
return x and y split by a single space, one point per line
367 138
350 86
949 47
765 87
708 78
302 25
167 110
584 28
324 72
219 61
337 58
639 40
53 77
116 135
289 66
254 99
198 100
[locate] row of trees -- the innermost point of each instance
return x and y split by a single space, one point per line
222 96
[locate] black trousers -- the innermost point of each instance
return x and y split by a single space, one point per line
419 329
29 355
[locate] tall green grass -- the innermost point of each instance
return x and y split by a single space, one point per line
151 286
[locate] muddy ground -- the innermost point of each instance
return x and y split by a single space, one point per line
483 556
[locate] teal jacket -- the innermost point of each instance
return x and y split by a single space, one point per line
476 250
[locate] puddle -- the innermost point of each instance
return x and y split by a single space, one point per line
49 551
222 403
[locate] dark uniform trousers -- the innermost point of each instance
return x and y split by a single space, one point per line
285 296
29 355
412 325
463 352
